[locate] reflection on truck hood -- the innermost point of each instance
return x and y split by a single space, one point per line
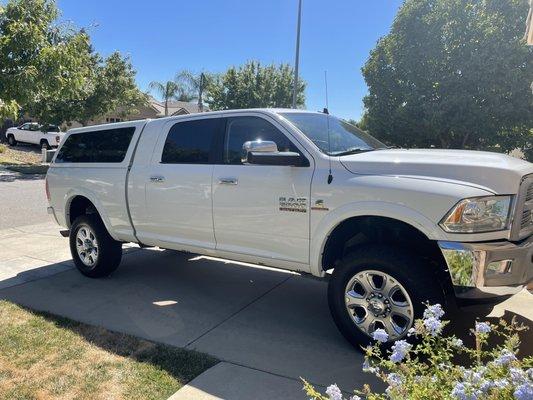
491 171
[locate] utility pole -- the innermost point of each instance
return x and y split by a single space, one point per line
297 60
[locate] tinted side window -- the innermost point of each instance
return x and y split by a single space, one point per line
190 142
243 129
107 146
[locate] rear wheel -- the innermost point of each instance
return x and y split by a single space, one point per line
45 145
11 140
95 253
380 287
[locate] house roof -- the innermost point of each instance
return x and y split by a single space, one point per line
174 107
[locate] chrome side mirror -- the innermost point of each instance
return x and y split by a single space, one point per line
258 146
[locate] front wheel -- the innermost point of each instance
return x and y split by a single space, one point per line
380 287
95 253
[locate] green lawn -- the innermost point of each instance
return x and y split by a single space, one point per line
47 357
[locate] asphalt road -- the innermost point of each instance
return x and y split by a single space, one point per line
22 200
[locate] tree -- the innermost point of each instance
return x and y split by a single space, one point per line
170 90
195 86
253 85
50 70
452 74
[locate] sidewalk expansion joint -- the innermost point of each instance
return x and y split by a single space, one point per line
238 311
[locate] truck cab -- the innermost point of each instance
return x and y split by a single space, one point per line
390 229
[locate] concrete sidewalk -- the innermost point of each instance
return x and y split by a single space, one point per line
268 327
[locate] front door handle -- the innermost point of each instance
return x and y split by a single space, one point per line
228 181
157 178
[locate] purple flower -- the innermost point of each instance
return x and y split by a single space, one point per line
524 391
435 311
399 351
334 392
394 380
433 325
380 335
506 357
518 376
483 327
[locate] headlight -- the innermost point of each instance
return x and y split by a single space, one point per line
479 214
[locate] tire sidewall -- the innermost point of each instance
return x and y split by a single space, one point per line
109 250
11 140
409 270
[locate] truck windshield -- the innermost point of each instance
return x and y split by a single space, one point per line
345 138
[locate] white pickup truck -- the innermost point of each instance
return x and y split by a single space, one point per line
389 228
33 133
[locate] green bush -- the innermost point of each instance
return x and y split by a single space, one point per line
426 366
2 148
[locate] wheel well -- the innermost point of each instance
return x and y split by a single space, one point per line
80 205
358 231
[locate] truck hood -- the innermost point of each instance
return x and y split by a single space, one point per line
494 172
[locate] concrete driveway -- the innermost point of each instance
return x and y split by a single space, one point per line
268 327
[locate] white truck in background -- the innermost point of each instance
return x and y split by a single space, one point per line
34 133
389 228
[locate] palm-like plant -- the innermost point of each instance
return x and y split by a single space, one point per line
195 86
169 90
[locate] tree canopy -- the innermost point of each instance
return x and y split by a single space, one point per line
253 85
50 70
452 74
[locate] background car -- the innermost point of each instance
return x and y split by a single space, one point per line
46 136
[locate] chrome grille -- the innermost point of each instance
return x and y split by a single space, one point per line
529 193
523 225
526 219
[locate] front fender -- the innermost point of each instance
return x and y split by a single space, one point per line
395 211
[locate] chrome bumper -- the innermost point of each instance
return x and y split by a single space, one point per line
488 270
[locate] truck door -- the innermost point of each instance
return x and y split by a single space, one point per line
178 186
261 210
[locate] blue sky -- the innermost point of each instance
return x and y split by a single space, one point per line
165 36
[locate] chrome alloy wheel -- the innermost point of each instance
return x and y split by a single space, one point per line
87 246
374 299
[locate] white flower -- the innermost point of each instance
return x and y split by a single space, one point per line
355 397
483 327
334 392
457 342
380 335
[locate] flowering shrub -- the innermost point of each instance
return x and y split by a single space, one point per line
427 367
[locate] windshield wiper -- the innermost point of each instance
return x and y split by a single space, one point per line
353 150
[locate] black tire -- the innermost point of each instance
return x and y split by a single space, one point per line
45 145
11 140
109 251
409 270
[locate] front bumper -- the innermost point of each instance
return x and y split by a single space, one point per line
488 270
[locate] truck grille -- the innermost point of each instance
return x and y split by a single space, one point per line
523 225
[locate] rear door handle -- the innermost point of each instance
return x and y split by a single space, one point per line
157 178
228 181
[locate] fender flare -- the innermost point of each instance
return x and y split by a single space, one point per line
394 211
